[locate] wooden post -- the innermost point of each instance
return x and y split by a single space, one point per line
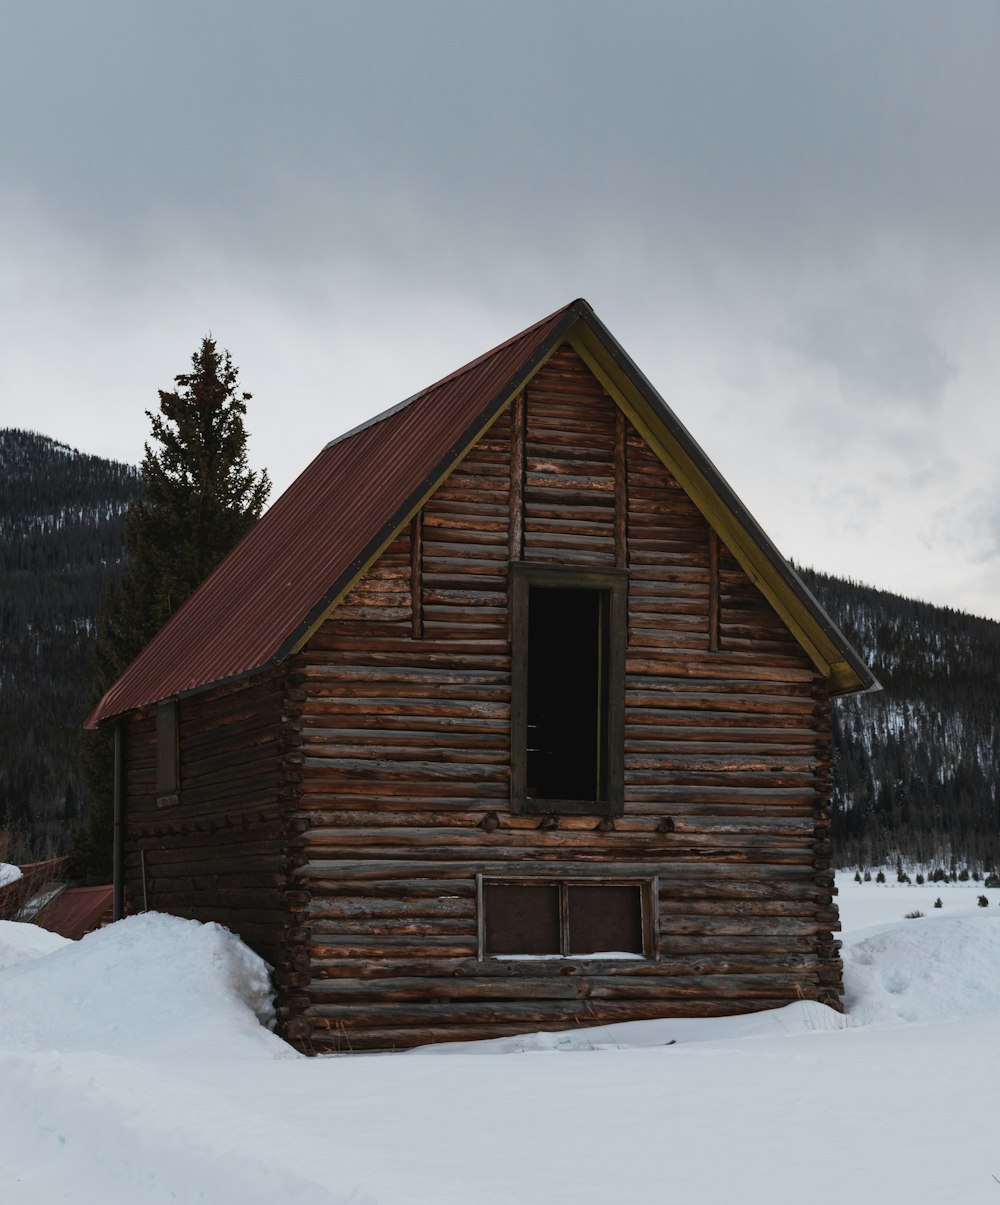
621 494
416 583
517 452
713 591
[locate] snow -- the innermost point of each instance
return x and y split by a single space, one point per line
620 955
9 874
19 943
152 985
137 1066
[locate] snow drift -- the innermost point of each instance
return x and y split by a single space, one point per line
153 985
137 1067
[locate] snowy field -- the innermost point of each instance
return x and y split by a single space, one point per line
136 1068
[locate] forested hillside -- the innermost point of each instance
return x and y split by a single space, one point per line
61 543
916 765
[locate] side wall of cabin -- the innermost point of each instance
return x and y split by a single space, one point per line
403 698
216 848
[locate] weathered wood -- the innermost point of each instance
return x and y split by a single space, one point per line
517 473
416 576
331 811
713 591
621 493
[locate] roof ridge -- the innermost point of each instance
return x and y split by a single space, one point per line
451 376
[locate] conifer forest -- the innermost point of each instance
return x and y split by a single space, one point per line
62 532
915 765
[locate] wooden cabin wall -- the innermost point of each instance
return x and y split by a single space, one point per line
405 713
219 852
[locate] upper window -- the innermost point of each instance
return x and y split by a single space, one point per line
567 689
167 760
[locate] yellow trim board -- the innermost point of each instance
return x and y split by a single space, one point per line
818 646
821 650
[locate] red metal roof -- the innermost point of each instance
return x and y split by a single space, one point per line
76 911
294 561
36 878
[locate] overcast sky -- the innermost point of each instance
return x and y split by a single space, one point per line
788 213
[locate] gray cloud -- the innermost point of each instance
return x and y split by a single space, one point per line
757 120
878 349
788 212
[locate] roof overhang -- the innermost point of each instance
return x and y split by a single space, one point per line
827 647
829 650
492 390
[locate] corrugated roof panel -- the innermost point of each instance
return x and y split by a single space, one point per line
76 911
278 578
348 502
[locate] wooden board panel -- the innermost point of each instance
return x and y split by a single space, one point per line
345 817
217 851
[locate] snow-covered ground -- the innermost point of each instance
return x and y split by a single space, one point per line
9 873
135 1068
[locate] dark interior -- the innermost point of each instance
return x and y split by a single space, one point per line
567 723
522 918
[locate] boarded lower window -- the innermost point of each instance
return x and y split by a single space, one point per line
568 918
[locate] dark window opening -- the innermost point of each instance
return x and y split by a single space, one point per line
563 919
567 694
568 630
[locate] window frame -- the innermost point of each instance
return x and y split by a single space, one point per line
649 919
614 584
168 762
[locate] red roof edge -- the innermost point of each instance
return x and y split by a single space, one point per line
566 316
165 669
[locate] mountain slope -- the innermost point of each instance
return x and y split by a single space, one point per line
916 766
61 545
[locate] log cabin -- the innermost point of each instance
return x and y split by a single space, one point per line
506 716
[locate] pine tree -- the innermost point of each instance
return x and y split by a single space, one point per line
199 497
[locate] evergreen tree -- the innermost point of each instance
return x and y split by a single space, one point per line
199 497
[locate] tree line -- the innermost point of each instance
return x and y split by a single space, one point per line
916 765
62 545
96 558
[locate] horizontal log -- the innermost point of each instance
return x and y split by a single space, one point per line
236 880
527 1013
341 754
367 908
397 888
523 993
480 770
361 946
383 705
322 784
240 899
425 814
350 869
797 841
329 964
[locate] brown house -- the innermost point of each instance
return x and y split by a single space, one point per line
505 716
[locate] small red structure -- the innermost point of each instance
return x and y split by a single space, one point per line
74 912
42 897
